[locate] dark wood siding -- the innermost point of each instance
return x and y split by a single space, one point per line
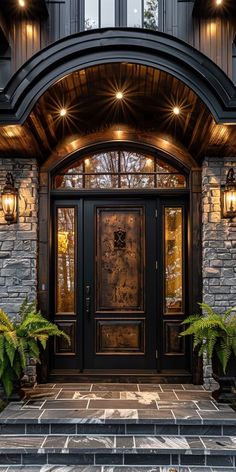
212 36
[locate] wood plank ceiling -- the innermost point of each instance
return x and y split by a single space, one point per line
89 96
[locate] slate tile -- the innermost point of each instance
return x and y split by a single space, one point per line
73 416
121 404
220 444
140 429
105 459
114 387
206 405
145 397
153 416
12 429
222 417
121 415
169 429
192 387
219 460
17 442
65 429
10 459
193 396
73 459
167 396
161 442
39 459
104 429
55 442
37 428
96 395
125 442
20 416
65 404
190 459
168 387
170 405
200 430
186 415
229 430
147 459
149 388
91 442
76 386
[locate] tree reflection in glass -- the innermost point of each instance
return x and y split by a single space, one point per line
173 260
65 261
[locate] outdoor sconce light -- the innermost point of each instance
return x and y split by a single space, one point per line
9 199
229 195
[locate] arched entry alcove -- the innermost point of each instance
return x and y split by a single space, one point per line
155 72
124 212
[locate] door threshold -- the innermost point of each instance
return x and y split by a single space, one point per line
96 376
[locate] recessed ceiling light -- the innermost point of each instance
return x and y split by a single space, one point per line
63 112
176 110
21 3
219 2
119 95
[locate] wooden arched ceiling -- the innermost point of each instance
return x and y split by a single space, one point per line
89 98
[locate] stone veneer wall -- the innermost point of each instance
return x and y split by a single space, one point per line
219 243
18 242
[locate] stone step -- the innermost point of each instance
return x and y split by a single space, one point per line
118 450
76 468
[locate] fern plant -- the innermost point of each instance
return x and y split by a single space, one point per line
213 332
21 339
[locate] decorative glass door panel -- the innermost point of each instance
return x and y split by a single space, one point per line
120 259
119 317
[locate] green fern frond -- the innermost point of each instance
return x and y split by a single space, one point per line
5 320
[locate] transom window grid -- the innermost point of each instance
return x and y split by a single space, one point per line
110 13
119 170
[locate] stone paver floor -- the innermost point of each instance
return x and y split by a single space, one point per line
104 403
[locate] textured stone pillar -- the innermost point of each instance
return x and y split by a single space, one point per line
18 243
219 243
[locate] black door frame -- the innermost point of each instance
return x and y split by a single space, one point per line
161 199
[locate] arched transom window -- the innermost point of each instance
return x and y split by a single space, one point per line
119 170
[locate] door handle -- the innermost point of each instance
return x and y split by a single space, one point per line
87 300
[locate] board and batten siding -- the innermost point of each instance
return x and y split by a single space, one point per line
213 37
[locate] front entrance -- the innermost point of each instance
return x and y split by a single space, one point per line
120 271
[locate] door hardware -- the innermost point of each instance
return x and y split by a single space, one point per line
87 300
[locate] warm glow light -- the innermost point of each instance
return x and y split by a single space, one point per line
63 112
176 110
219 2
119 95
21 3
87 162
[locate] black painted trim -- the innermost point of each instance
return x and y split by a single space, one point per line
109 45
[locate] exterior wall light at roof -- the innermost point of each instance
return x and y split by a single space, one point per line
21 3
219 3
229 195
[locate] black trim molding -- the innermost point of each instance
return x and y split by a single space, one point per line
109 45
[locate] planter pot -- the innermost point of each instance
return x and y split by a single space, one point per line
226 392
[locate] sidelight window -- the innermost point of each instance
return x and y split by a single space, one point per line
119 170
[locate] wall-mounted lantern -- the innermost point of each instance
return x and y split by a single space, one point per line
9 199
229 195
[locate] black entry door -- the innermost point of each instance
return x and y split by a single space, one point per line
120 312
121 293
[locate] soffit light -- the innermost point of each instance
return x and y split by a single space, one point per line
176 110
21 3
229 195
219 2
9 199
63 112
119 95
